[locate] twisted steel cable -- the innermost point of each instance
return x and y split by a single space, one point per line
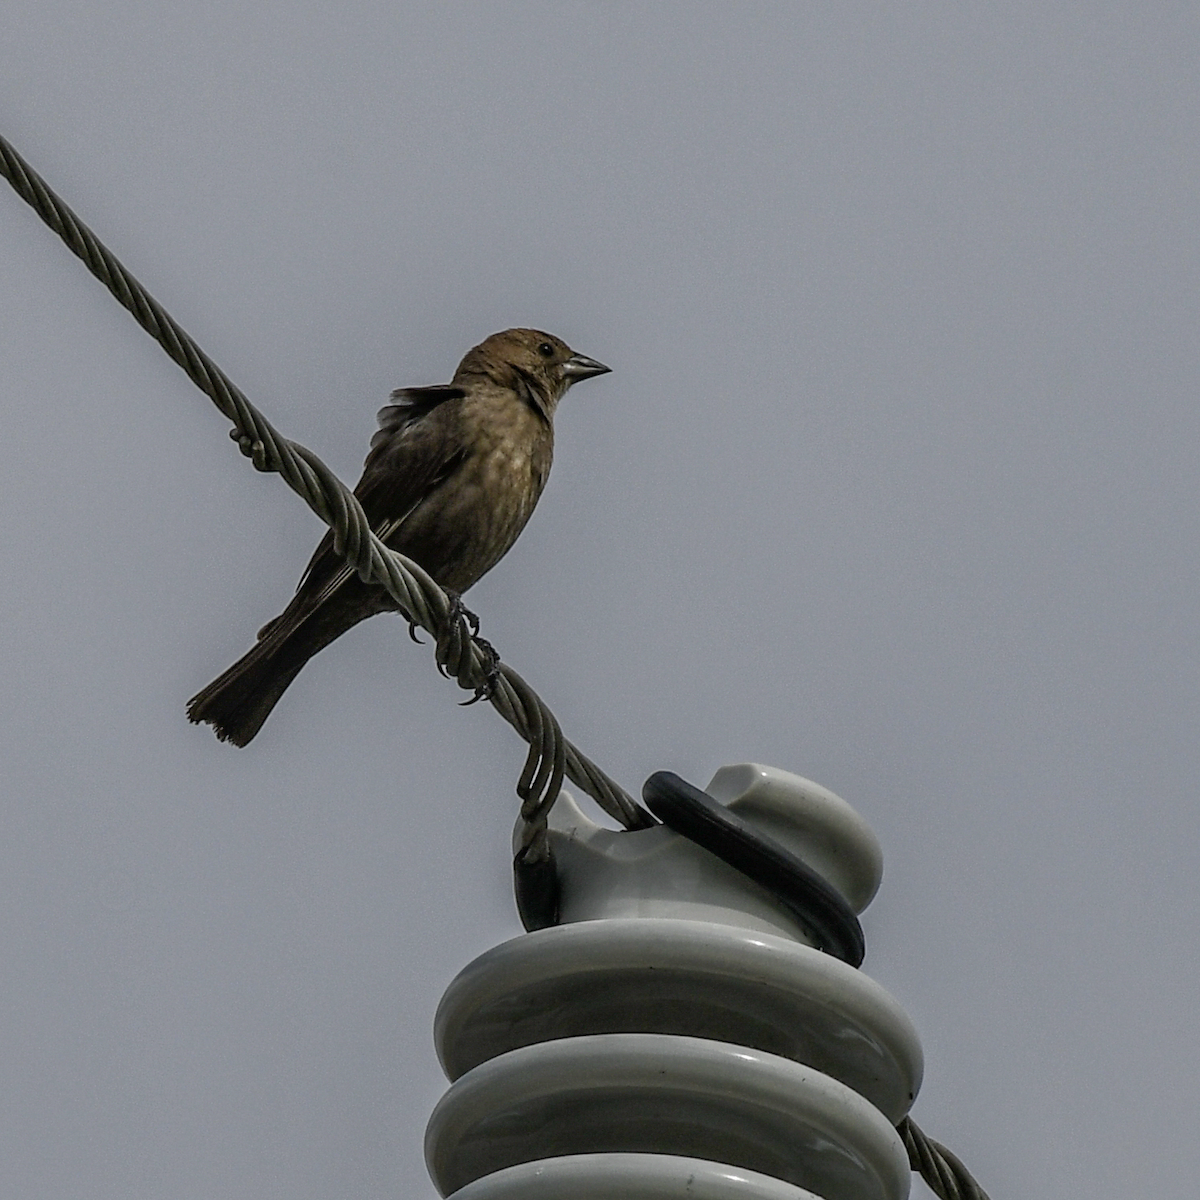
459 653
942 1171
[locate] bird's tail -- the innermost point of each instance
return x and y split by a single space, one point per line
237 702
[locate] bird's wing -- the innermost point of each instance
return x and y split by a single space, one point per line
418 445
410 405
414 451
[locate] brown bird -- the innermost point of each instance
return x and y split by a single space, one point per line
451 479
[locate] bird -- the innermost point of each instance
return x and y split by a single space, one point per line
450 480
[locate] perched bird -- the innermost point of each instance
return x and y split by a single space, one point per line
451 478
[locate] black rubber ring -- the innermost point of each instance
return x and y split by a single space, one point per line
818 905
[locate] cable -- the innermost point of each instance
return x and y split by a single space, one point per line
459 653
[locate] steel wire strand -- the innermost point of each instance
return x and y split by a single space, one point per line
941 1170
419 597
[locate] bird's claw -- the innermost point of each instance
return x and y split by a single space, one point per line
459 611
461 623
491 678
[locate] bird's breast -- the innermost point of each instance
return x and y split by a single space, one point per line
511 475
476 514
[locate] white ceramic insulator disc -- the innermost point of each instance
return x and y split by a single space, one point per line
629 1177
690 978
653 1093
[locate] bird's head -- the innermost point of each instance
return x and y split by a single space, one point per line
537 366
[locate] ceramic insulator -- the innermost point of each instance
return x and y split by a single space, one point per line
677 1036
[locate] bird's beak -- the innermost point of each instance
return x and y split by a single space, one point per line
579 366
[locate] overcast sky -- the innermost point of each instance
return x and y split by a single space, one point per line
894 485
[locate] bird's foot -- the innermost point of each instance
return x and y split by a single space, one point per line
459 611
491 680
491 677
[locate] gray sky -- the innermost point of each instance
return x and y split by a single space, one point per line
894 485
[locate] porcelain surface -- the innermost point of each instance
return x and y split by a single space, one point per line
691 978
629 1177
608 874
638 1093
810 821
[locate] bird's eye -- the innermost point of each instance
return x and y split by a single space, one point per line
546 350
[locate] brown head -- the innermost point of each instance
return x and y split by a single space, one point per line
537 366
